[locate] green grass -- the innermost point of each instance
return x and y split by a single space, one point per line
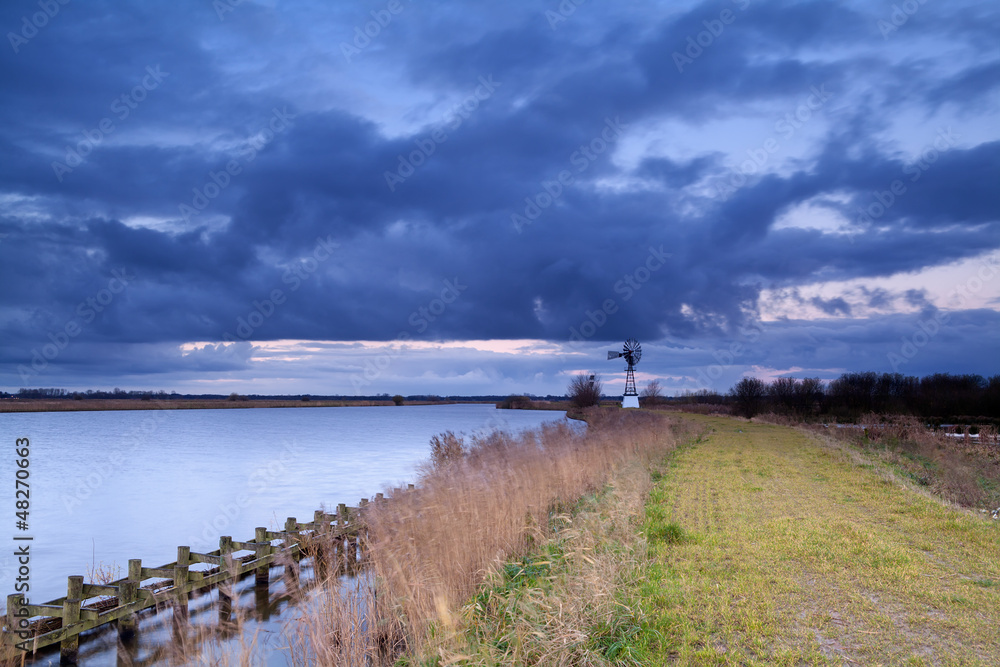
820 561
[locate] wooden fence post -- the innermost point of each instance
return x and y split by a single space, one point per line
292 528
128 592
13 617
263 549
180 584
69 647
293 551
320 536
364 527
227 585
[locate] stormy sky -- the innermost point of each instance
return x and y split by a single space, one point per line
482 198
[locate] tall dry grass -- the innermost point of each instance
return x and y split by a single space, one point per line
482 502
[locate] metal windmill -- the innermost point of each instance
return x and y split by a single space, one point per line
632 353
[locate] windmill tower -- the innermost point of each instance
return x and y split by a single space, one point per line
632 353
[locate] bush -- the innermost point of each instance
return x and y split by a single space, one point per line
398 399
585 391
513 402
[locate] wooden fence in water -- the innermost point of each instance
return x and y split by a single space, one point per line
331 539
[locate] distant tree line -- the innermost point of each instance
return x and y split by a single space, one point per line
941 397
90 393
56 393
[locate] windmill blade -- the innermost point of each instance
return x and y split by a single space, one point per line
613 355
633 351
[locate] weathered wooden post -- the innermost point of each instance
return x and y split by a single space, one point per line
180 584
320 536
351 552
262 549
69 647
292 528
226 565
341 555
15 621
362 506
226 586
293 551
128 592
262 599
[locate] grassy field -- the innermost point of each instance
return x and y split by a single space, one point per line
758 545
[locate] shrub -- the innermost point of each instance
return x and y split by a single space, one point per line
585 391
398 399
513 402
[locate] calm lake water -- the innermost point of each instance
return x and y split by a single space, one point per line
110 486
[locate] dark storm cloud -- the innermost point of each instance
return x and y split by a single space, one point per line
248 186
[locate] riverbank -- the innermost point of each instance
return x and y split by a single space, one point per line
481 502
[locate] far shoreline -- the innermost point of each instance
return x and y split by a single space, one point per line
112 404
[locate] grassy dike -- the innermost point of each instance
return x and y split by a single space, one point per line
757 544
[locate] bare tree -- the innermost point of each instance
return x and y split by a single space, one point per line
652 395
585 390
782 393
808 395
749 395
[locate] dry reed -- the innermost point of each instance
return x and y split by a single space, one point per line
482 502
